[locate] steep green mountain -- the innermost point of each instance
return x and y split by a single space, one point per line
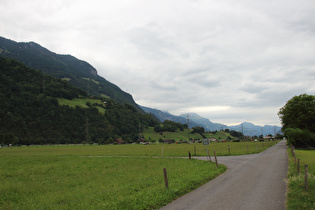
77 72
31 114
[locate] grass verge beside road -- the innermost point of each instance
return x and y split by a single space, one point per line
297 197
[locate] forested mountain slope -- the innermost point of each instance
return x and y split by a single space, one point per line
30 112
77 72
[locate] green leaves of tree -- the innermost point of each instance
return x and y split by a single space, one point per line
298 120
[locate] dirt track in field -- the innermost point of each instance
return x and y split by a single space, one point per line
251 182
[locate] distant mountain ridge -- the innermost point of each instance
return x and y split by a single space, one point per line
77 72
207 124
249 129
162 115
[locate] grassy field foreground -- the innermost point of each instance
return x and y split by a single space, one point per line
107 176
298 198
49 178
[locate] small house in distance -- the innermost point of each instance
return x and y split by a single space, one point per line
118 141
213 140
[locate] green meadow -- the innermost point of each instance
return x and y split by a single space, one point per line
106 176
298 197
149 133
82 102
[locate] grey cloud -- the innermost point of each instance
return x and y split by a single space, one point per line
251 56
150 43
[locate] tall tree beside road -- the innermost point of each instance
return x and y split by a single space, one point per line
298 115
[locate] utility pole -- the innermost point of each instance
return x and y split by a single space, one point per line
139 131
44 85
87 135
242 130
188 126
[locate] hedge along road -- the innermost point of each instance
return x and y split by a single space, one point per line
251 182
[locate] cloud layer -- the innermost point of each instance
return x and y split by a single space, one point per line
230 61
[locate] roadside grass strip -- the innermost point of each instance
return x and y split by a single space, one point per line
297 196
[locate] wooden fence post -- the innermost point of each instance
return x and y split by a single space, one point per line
306 183
209 156
195 150
229 149
189 155
165 178
216 161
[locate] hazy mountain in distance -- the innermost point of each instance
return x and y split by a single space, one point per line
207 124
249 129
163 115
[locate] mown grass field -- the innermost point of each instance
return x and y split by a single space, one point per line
152 150
105 176
298 198
77 177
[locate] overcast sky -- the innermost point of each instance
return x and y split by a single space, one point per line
226 60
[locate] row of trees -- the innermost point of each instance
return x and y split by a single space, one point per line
170 126
298 120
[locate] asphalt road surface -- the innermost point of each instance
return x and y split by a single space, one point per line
251 182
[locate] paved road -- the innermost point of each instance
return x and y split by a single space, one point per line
251 182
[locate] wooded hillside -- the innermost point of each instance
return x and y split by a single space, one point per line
30 113
77 72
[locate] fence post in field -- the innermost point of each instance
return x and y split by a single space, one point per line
162 150
229 149
216 161
247 149
306 178
298 166
209 156
165 178
189 155
195 150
